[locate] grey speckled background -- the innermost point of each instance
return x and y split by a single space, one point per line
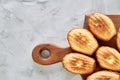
26 23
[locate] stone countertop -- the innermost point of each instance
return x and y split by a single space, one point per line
26 23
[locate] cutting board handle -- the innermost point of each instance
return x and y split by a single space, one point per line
54 53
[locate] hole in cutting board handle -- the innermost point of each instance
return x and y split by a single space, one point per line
44 53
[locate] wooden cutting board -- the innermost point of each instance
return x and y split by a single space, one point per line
57 53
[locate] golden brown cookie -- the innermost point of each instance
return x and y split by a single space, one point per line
79 63
82 40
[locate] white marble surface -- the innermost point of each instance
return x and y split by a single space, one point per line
26 23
